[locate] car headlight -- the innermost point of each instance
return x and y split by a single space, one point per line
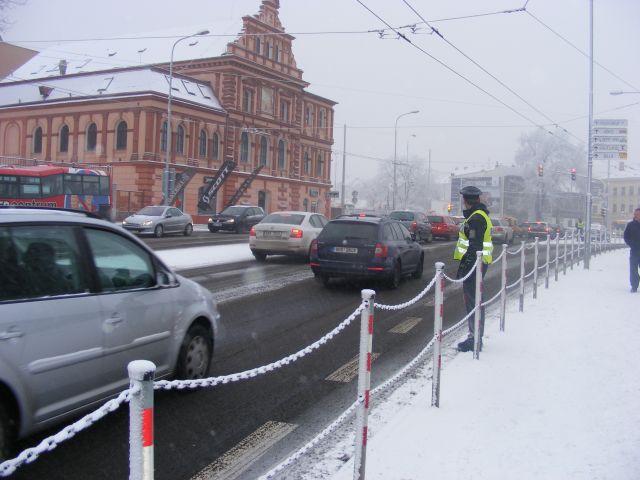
146 223
124 222
231 220
210 220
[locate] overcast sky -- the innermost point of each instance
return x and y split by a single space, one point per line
375 80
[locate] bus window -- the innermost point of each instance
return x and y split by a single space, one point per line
73 184
30 187
8 186
104 186
51 186
90 185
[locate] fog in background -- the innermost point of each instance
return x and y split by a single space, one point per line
375 77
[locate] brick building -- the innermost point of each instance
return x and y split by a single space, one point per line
248 105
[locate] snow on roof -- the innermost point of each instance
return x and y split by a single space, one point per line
498 171
600 170
136 49
114 83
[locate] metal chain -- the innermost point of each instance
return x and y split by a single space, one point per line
492 299
254 372
460 280
515 252
31 454
408 303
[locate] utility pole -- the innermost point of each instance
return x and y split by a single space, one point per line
429 183
344 162
587 233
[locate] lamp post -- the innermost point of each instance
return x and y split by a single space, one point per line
165 180
620 92
395 153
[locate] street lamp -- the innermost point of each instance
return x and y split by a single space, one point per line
395 153
619 92
165 180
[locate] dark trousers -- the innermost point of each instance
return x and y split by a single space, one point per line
469 295
634 265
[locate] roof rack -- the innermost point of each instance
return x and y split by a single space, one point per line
59 209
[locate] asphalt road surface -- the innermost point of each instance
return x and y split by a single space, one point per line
240 430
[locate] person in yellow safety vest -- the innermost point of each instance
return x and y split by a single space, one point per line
474 236
580 228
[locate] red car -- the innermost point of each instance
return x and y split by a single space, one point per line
443 226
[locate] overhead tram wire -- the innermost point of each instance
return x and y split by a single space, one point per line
580 51
404 37
440 35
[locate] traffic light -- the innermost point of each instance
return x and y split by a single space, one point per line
540 170
449 208
573 174
603 211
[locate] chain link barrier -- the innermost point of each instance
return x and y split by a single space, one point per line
460 280
31 454
401 306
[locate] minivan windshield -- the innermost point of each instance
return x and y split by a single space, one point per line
338 231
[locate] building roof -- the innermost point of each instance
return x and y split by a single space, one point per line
107 84
498 171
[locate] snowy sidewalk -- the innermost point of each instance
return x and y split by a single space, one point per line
555 396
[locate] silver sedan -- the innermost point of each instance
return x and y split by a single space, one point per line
285 233
158 220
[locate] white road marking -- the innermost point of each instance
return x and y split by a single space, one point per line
244 454
406 326
349 370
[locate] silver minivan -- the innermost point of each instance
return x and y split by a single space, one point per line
79 299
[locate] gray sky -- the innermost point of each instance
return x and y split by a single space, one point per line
375 80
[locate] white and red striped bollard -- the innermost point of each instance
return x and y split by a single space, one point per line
364 383
438 311
141 375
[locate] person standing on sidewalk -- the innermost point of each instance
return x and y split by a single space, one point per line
632 238
474 236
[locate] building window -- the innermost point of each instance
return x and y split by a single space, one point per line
623 191
308 116
282 155
214 146
264 151
305 204
244 147
630 208
615 191
258 45
631 191
278 54
323 118
319 166
163 137
615 207
284 111
202 141
307 164
63 139
92 137
267 49
121 136
180 140
37 140
623 207
247 101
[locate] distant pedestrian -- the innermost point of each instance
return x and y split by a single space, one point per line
632 238
474 236
580 228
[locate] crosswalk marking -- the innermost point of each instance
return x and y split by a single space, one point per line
407 325
235 461
349 370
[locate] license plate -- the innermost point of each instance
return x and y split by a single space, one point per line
345 250
271 234
217 224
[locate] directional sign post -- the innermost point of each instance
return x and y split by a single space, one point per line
609 139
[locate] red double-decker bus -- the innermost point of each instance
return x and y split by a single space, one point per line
55 186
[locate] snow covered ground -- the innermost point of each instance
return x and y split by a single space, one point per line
555 396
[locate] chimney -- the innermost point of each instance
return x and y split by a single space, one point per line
45 91
62 66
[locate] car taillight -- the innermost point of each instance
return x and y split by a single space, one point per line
314 248
296 233
414 226
381 250
529 229
252 232
498 229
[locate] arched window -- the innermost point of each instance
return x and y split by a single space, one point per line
92 137
63 139
282 155
163 137
244 147
307 164
180 140
203 144
264 150
37 140
121 136
319 166
214 146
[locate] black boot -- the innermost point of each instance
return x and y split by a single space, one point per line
466 345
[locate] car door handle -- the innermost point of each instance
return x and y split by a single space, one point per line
6 335
114 319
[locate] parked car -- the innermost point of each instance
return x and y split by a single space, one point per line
416 223
443 226
80 298
501 231
285 233
237 218
366 248
537 229
158 220
458 219
557 229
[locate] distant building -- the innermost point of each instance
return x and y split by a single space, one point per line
623 187
249 105
12 57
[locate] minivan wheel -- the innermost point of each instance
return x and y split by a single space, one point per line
194 360
418 272
260 257
158 231
7 433
188 230
394 280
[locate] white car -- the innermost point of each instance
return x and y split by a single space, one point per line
285 233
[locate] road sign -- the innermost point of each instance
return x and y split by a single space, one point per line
607 122
608 131
609 137
606 147
606 140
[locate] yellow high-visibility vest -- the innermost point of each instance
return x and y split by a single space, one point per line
463 242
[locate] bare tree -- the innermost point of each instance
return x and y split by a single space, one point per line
5 5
